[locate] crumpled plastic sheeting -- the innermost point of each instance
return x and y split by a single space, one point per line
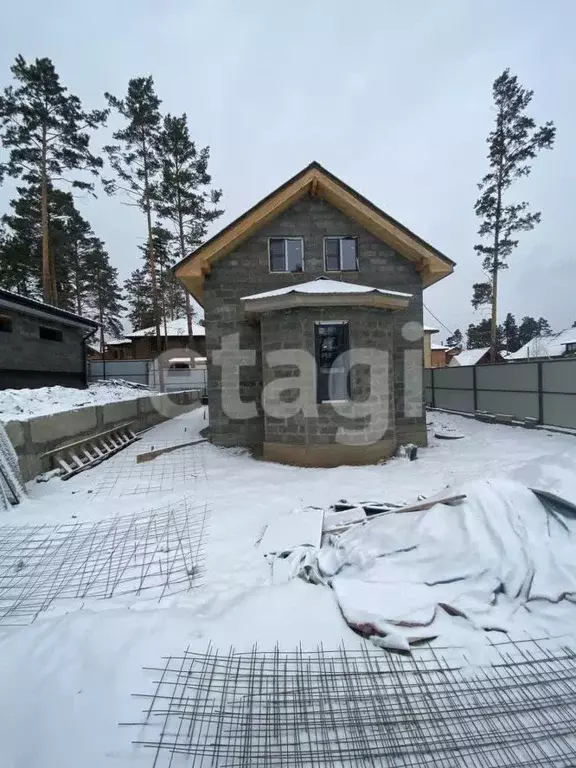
496 560
11 487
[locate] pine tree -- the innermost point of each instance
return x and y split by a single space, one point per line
104 301
481 294
138 291
47 133
135 160
479 335
511 333
455 340
184 199
513 142
528 330
544 327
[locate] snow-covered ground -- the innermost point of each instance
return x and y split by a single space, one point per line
27 403
66 680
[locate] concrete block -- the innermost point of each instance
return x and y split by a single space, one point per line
16 431
47 430
117 413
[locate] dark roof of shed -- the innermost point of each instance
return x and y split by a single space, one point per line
25 303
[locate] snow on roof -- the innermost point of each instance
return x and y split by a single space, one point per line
430 329
438 346
35 305
177 327
113 342
323 285
469 356
545 346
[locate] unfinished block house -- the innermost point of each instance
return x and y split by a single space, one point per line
314 267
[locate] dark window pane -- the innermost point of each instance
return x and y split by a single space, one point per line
5 324
50 334
348 253
277 258
332 374
332 254
294 255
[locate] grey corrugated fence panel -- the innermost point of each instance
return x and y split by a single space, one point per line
135 371
510 389
544 390
559 393
454 389
427 384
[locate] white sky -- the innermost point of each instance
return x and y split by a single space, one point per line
395 98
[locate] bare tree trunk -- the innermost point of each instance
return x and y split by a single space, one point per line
495 266
189 313
49 291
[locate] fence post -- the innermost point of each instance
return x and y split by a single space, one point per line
540 394
475 389
433 395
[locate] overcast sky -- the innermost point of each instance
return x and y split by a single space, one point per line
395 98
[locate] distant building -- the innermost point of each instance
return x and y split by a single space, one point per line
475 357
556 345
142 344
41 345
440 355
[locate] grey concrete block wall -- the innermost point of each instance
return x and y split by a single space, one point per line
32 438
28 360
246 271
295 329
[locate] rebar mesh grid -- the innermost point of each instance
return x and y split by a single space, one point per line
121 476
161 550
362 708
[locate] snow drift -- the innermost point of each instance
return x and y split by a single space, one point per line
499 560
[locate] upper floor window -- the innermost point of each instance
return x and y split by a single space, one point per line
341 254
50 334
570 347
286 254
5 324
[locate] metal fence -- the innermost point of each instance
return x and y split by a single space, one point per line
146 372
543 390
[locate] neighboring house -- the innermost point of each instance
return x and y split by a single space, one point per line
141 345
258 280
428 331
556 345
475 357
441 355
41 345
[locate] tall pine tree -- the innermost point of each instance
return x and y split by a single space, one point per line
511 333
47 133
134 158
528 330
514 141
184 198
455 340
105 297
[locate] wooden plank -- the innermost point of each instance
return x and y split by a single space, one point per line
150 455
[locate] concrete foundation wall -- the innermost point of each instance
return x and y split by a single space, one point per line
33 437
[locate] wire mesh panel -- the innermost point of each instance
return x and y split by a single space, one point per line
362 708
160 550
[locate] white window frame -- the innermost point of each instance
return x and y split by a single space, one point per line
287 271
340 238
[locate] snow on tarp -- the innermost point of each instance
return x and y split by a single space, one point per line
499 560
11 486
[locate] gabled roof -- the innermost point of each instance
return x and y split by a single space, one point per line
545 346
317 181
469 356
